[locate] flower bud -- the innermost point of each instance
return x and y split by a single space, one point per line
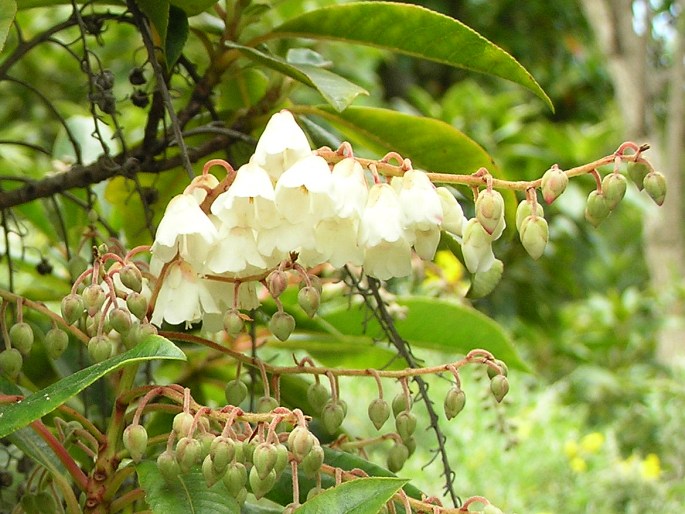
221 451
206 438
120 320
11 362
188 452
282 458
526 209
410 444
655 185
266 404
553 184
502 366
135 441
131 277
499 385
233 322
235 392
405 424
637 171
312 463
318 396
397 456
168 467
534 234
21 337
332 416
452 213
93 298
484 282
400 403
264 459
277 282
235 478
248 448
491 509
597 208
261 486
137 305
282 325
315 282
309 299
56 341
477 247
455 399
183 421
489 209
208 472
72 308
100 348
379 412
614 189
300 441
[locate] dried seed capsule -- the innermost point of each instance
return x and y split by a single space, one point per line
553 184
534 234
136 76
655 185
614 188
397 456
309 299
56 341
499 385
379 412
455 399
235 478
235 392
489 209
261 486
405 424
264 459
11 362
72 308
21 337
233 322
100 348
318 396
597 208
168 467
282 325
188 452
637 171
312 463
135 441
332 415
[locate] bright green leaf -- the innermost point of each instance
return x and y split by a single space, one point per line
361 496
18 415
411 30
338 91
189 495
8 9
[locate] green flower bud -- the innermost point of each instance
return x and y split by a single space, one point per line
379 412
120 320
21 337
206 439
221 451
309 299
502 366
410 444
188 453
525 209
489 209
131 277
534 234
100 348
266 404
137 305
248 450
318 396
56 341
135 441
261 486
655 185
484 282
76 266
235 392
168 467
282 325
282 458
182 423
553 184
11 362
400 403
233 322
455 399
332 415
300 442
637 171
397 456
235 478
405 424
93 298
72 308
264 459
614 188
277 282
312 463
208 472
315 282
499 385
597 208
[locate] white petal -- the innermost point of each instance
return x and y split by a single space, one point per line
281 145
388 260
381 219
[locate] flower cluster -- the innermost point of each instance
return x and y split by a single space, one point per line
288 204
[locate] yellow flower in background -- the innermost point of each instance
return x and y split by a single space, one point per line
592 442
571 448
578 465
650 467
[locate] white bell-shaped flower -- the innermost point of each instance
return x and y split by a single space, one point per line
304 191
387 260
452 213
336 241
236 252
276 243
184 229
281 145
421 207
477 247
350 190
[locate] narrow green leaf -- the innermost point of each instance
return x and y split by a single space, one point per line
176 36
361 496
336 90
411 30
8 10
189 495
18 415
430 144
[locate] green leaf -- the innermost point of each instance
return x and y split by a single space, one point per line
430 144
338 91
361 496
8 10
18 415
411 30
193 7
189 494
157 11
176 36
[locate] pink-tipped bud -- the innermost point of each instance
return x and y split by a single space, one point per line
277 282
553 184
490 209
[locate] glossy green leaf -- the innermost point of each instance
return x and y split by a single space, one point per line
361 496
176 35
18 415
8 9
193 7
430 144
411 30
338 91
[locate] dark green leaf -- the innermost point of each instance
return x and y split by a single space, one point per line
8 9
411 30
18 415
193 7
361 496
176 36
189 495
338 91
157 11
